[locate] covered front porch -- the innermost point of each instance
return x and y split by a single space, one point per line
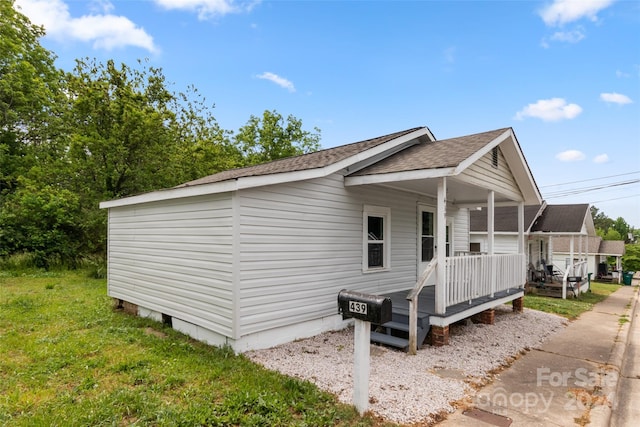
559 277
449 180
475 286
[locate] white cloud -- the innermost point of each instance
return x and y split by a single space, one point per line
106 31
550 110
615 98
101 6
280 81
570 156
568 36
601 158
561 12
209 8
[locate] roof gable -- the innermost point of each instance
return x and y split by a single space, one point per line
410 169
561 219
446 153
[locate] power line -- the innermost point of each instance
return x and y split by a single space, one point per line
563 193
591 179
617 198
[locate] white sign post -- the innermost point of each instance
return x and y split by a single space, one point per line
361 353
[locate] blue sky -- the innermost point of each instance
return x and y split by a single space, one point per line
564 74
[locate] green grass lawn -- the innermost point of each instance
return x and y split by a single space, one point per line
69 359
571 308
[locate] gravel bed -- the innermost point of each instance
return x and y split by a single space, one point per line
411 389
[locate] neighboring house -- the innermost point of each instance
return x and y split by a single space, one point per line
255 257
597 253
550 229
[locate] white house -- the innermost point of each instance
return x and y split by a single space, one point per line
256 256
597 252
561 241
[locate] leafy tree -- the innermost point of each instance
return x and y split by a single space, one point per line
118 131
205 148
631 258
271 137
612 234
29 91
609 229
601 221
99 132
44 221
621 226
127 133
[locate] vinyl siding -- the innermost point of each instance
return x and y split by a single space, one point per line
502 243
461 230
175 257
500 179
301 243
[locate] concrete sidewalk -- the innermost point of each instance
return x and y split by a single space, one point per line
575 378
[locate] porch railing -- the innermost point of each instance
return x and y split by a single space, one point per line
579 269
471 277
412 296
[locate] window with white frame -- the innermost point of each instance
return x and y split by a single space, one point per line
376 223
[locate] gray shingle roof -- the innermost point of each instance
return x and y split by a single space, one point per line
596 246
554 218
561 219
318 159
563 244
612 247
505 218
433 155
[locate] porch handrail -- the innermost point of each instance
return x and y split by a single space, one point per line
577 269
412 296
471 277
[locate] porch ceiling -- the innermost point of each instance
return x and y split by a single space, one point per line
458 191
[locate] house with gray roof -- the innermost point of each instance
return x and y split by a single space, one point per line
256 256
561 241
598 253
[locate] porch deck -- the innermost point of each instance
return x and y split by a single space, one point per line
454 313
395 333
554 289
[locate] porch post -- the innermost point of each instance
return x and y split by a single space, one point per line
521 227
586 255
571 266
521 242
571 252
550 253
580 248
441 251
490 238
490 221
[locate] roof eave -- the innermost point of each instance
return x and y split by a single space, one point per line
269 179
398 176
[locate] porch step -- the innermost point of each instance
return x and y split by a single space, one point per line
398 326
396 332
385 339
